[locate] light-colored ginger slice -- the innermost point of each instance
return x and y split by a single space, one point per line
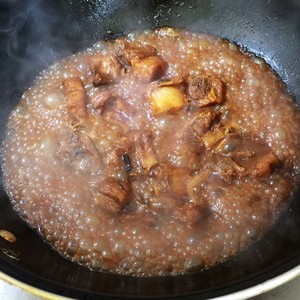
211 138
167 98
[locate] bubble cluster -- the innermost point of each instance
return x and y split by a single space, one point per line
60 204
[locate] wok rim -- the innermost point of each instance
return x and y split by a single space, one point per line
249 292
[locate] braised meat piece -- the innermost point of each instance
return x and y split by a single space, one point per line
100 98
177 179
191 133
174 81
202 122
212 138
128 51
72 84
144 150
106 69
205 90
226 167
114 158
117 190
265 165
150 68
198 87
106 203
118 111
171 177
79 152
194 187
194 210
190 213
199 124
75 97
112 195
245 154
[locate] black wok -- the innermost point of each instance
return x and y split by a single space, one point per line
35 33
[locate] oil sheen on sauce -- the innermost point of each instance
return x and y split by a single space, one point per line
163 152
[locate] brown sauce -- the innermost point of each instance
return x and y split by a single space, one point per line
158 153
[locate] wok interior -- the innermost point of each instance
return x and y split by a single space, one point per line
38 33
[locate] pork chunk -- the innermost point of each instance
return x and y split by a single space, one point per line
114 157
75 97
190 213
173 81
205 90
199 124
265 165
79 152
113 194
106 69
150 68
226 168
174 178
144 151
100 98
118 111
128 51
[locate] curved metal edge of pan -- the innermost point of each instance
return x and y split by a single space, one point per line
239 295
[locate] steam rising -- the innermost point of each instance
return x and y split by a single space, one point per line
33 35
36 34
